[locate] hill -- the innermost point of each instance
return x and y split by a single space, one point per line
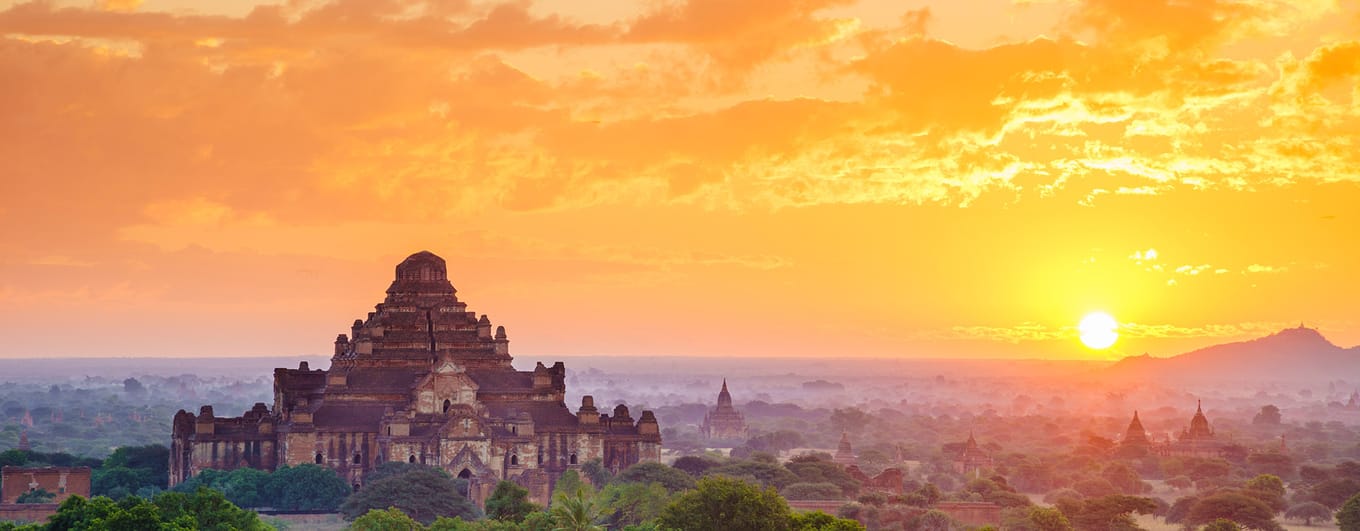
1292 354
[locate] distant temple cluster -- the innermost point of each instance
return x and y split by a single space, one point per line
420 380
1197 440
724 422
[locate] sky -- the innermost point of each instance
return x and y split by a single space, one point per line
836 178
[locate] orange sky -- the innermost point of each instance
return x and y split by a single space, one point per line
702 177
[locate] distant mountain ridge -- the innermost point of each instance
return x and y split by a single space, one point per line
1291 354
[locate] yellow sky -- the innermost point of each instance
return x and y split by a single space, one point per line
688 177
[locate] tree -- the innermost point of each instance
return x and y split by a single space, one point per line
1348 518
388 520
207 509
1124 478
578 511
1222 524
36 496
509 502
1268 416
424 494
1105 513
1268 489
849 420
1307 511
766 473
695 465
1246 510
1048 519
306 487
934 520
674 480
813 491
567 484
724 503
132 386
1334 492
595 470
819 468
634 503
820 521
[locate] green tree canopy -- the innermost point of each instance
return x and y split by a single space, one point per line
424 494
306 487
634 503
1348 518
1308 511
391 519
509 502
1245 510
36 496
725 503
674 480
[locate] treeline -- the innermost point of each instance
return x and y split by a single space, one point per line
168 511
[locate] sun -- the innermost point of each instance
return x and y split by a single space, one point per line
1098 330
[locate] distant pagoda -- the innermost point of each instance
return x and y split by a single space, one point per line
724 422
1135 435
845 454
972 459
24 445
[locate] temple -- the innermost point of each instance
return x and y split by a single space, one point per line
421 380
972 459
1198 440
845 454
1135 442
724 421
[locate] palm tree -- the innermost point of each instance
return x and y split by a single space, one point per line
578 512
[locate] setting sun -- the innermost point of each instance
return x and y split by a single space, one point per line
1098 330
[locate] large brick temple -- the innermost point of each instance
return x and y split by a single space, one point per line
421 380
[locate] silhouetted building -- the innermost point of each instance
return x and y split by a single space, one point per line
972 458
724 421
420 380
1198 440
845 454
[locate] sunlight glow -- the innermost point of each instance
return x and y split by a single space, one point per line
1098 330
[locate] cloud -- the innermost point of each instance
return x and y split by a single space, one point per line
1032 332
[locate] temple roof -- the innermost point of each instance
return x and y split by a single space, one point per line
543 413
1199 424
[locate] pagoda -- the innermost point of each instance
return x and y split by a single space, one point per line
724 422
420 380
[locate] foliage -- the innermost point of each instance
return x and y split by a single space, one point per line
1245 510
934 520
1222 524
391 519
204 509
509 502
578 511
1269 415
1048 519
724 503
634 503
695 465
1106 512
307 487
820 521
36 496
424 494
812 491
674 480
1348 518
304 487
818 468
765 473
1307 511
1269 489
1334 492
595 470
